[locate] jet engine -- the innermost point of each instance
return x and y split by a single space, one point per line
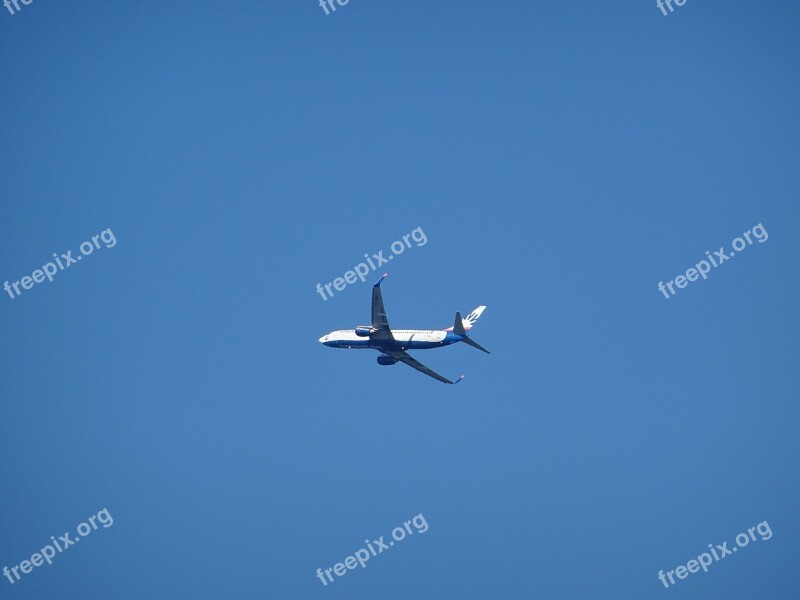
386 360
365 330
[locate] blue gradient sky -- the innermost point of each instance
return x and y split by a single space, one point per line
562 159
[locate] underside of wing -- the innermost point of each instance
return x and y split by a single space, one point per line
415 364
380 322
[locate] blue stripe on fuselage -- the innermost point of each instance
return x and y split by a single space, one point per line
382 345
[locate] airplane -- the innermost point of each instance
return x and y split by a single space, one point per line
392 344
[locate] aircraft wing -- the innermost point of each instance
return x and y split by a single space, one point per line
415 364
380 322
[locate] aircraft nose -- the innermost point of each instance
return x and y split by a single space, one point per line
323 339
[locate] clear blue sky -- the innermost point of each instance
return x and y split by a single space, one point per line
562 159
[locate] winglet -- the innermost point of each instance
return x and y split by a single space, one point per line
459 379
385 275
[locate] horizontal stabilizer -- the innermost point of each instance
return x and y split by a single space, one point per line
474 344
458 329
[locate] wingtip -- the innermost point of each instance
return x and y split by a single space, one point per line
459 379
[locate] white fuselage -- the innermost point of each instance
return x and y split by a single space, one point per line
404 339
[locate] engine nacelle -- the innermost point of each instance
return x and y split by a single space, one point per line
365 330
386 360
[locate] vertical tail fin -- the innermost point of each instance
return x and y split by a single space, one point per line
470 319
